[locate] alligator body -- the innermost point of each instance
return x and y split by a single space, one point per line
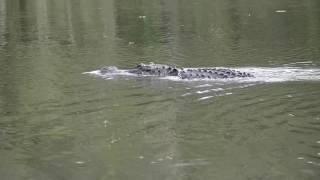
183 73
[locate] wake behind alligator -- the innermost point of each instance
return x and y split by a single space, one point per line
163 70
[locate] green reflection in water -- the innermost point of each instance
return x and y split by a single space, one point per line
56 123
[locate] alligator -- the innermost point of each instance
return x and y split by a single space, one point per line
163 70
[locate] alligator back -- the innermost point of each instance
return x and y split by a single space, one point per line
212 73
156 69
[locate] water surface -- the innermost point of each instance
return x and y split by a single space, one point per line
57 123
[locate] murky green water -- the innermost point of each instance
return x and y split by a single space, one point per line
57 123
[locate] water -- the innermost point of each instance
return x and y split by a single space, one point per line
58 123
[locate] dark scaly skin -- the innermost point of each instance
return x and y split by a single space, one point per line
191 73
156 69
212 73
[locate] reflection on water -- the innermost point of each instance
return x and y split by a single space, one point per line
56 123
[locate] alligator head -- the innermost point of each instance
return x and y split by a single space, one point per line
109 69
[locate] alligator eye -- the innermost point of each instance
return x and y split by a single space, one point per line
174 72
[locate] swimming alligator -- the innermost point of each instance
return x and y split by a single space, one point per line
183 73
